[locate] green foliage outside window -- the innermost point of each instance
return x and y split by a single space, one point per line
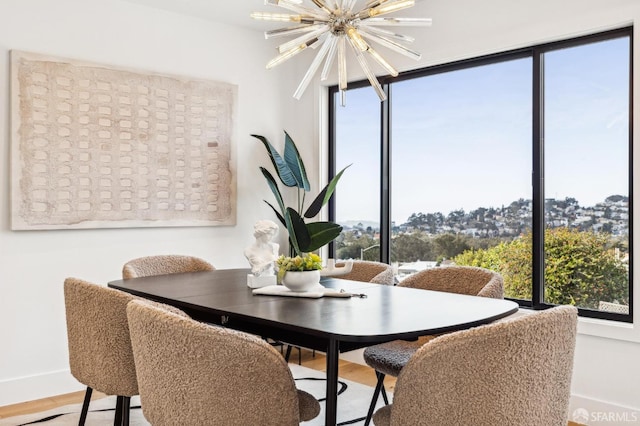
581 268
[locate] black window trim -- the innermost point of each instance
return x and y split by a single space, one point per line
537 54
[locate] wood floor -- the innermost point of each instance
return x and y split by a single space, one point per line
350 371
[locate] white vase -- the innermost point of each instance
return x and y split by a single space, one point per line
301 280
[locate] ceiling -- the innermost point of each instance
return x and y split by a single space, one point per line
233 12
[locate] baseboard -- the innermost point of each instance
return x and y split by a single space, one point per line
30 388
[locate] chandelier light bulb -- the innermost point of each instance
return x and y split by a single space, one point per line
337 27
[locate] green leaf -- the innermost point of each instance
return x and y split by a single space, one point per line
279 164
280 217
321 233
324 196
298 233
295 163
274 188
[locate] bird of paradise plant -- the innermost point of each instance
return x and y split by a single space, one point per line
304 237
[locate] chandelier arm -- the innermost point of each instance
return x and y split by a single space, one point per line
364 26
322 6
287 4
385 8
320 40
313 68
287 31
289 54
302 39
278 17
342 64
392 45
410 22
358 42
373 80
375 3
349 4
330 58
383 62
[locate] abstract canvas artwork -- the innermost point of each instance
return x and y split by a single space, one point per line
95 146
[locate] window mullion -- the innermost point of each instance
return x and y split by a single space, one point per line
538 224
385 178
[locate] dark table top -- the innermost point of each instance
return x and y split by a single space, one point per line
387 313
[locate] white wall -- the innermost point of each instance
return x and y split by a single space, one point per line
33 265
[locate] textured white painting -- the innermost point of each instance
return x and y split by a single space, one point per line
95 146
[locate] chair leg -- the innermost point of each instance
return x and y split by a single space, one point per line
384 394
376 394
288 354
85 406
117 420
126 407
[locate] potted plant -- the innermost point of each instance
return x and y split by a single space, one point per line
299 273
304 236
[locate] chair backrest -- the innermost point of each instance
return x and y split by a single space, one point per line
100 354
613 307
369 271
511 372
164 264
458 279
193 373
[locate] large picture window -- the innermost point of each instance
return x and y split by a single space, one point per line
519 162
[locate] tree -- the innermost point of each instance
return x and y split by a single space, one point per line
411 247
417 220
456 216
581 268
450 245
616 198
351 248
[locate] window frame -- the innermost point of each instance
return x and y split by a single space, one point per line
536 53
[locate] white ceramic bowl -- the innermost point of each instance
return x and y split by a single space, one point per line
300 281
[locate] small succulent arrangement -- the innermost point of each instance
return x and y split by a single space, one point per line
306 262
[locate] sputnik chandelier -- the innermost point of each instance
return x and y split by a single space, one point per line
334 25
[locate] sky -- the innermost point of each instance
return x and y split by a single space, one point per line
463 139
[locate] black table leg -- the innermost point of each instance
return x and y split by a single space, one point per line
333 351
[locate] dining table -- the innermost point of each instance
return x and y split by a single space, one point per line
378 314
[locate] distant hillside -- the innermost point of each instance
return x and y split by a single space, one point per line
611 216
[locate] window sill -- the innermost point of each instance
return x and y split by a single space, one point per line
609 329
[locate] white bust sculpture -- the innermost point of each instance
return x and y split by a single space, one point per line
262 253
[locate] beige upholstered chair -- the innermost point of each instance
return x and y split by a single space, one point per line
164 264
389 358
368 271
100 353
613 307
511 372
191 373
